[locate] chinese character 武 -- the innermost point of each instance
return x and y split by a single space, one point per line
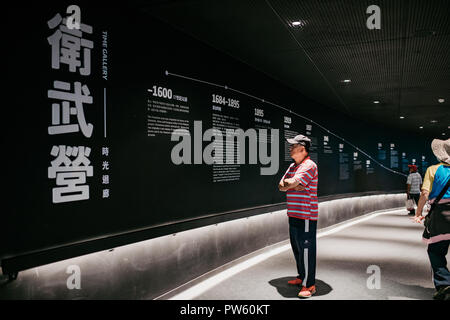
61 113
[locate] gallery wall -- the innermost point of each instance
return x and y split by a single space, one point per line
91 115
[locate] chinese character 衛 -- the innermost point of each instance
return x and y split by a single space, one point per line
67 44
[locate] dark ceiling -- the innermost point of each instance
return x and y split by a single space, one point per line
405 65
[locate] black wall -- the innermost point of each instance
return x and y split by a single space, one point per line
146 188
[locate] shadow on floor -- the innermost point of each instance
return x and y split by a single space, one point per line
290 291
405 291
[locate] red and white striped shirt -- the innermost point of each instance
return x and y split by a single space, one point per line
303 204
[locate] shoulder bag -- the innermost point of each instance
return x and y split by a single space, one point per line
428 217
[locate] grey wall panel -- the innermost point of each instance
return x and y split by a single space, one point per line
147 269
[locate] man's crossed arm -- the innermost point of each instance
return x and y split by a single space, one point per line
290 183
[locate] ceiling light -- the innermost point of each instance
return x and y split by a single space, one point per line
376 101
298 23
420 127
402 117
433 121
346 81
443 133
441 100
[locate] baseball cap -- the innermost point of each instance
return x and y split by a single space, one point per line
300 139
412 166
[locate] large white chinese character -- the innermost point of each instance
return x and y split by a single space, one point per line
62 112
70 174
67 43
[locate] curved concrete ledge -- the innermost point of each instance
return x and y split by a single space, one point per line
148 269
339 210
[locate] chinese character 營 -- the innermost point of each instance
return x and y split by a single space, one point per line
70 174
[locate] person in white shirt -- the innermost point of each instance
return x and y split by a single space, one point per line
413 186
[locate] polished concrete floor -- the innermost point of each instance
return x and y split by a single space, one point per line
390 241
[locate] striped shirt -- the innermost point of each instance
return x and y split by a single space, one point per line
303 204
415 180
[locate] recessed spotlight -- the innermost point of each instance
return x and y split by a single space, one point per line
298 23
346 81
421 127
402 117
376 101
440 100
433 121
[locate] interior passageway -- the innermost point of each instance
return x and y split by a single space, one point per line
390 241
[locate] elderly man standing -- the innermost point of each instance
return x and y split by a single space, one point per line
300 184
437 224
